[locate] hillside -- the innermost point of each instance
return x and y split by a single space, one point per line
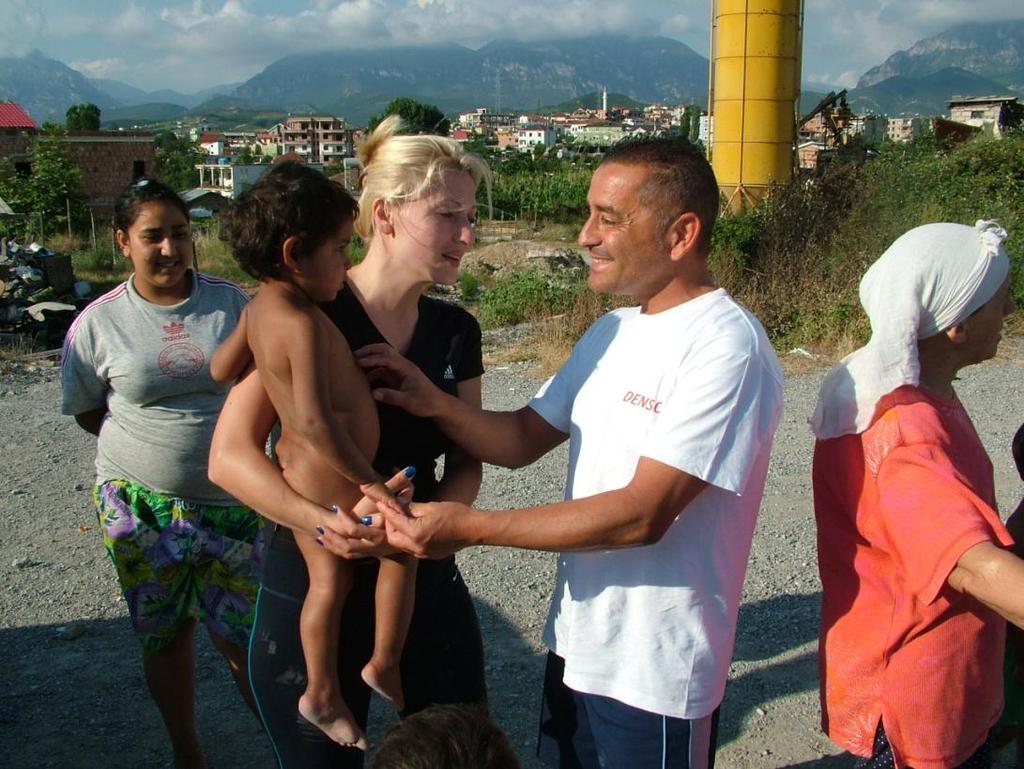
508 74
141 114
925 95
45 87
992 50
593 101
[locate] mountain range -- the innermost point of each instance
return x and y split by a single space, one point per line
969 59
992 50
976 59
503 74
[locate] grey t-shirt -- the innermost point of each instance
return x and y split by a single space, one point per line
149 365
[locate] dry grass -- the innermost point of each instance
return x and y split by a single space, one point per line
14 347
214 258
63 244
558 232
551 338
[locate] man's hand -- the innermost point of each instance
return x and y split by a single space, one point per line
430 530
397 382
359 533
381 495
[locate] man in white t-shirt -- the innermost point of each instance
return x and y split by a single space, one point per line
670 408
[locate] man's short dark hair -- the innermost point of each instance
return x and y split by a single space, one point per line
289 200
445 737
681 178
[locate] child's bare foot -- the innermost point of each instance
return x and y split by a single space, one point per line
331 715
386 681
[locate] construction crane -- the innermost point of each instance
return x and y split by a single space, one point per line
835 114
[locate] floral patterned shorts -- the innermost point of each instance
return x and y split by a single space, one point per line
177 560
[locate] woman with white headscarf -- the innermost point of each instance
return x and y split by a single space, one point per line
915 576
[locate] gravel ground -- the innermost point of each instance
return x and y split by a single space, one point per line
71 691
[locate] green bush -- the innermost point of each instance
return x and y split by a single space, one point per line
99 261
469 286
526 296
734 241
797 259
545 189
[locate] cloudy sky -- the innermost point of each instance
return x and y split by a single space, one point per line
188 45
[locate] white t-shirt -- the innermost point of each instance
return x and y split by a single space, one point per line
697 387
149 366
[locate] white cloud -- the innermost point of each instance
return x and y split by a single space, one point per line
187 42
448 5
111 67
828 81
23 23
679 24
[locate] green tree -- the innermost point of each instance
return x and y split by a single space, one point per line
82 117
245 156
690 124
176 160
50 191
418 118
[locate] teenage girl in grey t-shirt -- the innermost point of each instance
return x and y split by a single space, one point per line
135 373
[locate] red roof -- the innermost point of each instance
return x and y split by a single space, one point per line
13 116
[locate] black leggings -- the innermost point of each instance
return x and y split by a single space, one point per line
882 758
442 662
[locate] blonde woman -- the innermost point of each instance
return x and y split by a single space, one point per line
417 212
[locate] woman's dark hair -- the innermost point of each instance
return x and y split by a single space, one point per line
137 194
289 200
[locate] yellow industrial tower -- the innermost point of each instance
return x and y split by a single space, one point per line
754 87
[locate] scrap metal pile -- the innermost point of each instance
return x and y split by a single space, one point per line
39 296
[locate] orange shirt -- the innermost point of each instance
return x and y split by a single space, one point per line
896 506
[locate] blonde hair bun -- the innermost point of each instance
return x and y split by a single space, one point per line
399 168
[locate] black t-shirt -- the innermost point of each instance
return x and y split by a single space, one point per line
445 345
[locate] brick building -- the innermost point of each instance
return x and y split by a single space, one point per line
992 114
107 160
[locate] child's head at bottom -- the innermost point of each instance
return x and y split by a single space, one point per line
292 212
445 737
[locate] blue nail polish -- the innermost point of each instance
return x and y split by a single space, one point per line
335 509
320 529
366 520
319 541
410 471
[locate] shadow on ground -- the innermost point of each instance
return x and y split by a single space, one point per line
82 703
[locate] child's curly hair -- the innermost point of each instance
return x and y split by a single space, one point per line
289 200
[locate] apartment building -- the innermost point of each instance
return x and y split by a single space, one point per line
903 128
530 136
316 138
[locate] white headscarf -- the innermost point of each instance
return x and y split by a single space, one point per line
930 279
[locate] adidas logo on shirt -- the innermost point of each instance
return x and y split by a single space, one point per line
449 373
